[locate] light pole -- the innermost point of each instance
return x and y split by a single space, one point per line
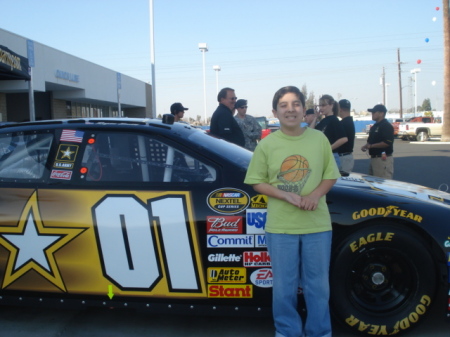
415 71
204 48
217 69
386 95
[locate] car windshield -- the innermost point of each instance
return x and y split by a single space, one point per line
222 148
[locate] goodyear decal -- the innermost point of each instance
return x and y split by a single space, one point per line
259 201
126 243
230 291
227 275
401 325
386 211
373 237
228 200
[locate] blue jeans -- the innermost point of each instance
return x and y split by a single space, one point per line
338 160
306 256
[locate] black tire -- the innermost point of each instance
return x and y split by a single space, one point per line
383 280
422 136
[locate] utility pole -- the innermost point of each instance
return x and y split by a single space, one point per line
383 86
400 82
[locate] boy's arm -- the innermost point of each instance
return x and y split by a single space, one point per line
308 202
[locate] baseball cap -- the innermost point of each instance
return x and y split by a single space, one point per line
240 102
309 112
378 108
177 107
345 104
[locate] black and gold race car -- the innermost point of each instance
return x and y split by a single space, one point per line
154 215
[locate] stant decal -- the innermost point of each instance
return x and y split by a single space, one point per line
223 224
230 291
61 174
230 241
262 278
256 259
228 200
259 201
386 211
227 275
256 221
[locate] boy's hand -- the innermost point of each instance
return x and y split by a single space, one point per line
309 203
293 199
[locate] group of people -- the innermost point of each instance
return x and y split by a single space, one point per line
295 168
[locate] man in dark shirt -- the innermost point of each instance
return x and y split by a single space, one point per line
380 144
346 150
223 124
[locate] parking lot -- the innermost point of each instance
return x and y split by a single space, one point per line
422 163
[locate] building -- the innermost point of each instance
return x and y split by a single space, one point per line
63 86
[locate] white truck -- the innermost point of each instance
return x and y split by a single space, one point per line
421 131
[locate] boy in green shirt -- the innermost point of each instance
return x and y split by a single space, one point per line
295 168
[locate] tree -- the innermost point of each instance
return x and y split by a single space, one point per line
426 105
446 120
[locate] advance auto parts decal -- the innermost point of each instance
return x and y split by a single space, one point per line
99 243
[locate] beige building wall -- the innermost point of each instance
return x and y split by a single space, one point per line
59 109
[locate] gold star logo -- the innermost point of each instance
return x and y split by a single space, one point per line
32 246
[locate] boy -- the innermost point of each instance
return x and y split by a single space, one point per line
295 168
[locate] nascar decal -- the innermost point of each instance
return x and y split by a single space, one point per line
227 275
259 201
228 200
223 224
262 278
65 157
230 291
115 243
256 221
386 211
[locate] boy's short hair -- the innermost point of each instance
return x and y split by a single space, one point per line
285 90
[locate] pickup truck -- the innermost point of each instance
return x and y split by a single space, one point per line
421 131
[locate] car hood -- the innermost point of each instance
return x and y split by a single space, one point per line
393 187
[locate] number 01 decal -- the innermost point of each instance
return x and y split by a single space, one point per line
140 243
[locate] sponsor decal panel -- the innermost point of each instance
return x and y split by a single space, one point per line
260 241
262 278
373 237
61 174
386 211
256 221
230 291
224 224
224 258
230 241
259 201
227 275
256 259
228 200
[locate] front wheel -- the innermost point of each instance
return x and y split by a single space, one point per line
382 279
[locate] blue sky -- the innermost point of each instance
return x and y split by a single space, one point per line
332 47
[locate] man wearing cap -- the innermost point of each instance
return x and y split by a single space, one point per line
345 151
248 124
311 118
380 144
223 125
177 110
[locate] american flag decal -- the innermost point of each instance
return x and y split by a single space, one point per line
72 136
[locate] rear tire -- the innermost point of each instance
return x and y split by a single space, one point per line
383 280
422 136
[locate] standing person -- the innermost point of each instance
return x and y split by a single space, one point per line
177 110
331 126
294 167
223 125
346 150
380 144
248 124
311 118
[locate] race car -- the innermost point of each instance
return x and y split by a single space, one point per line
154 215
